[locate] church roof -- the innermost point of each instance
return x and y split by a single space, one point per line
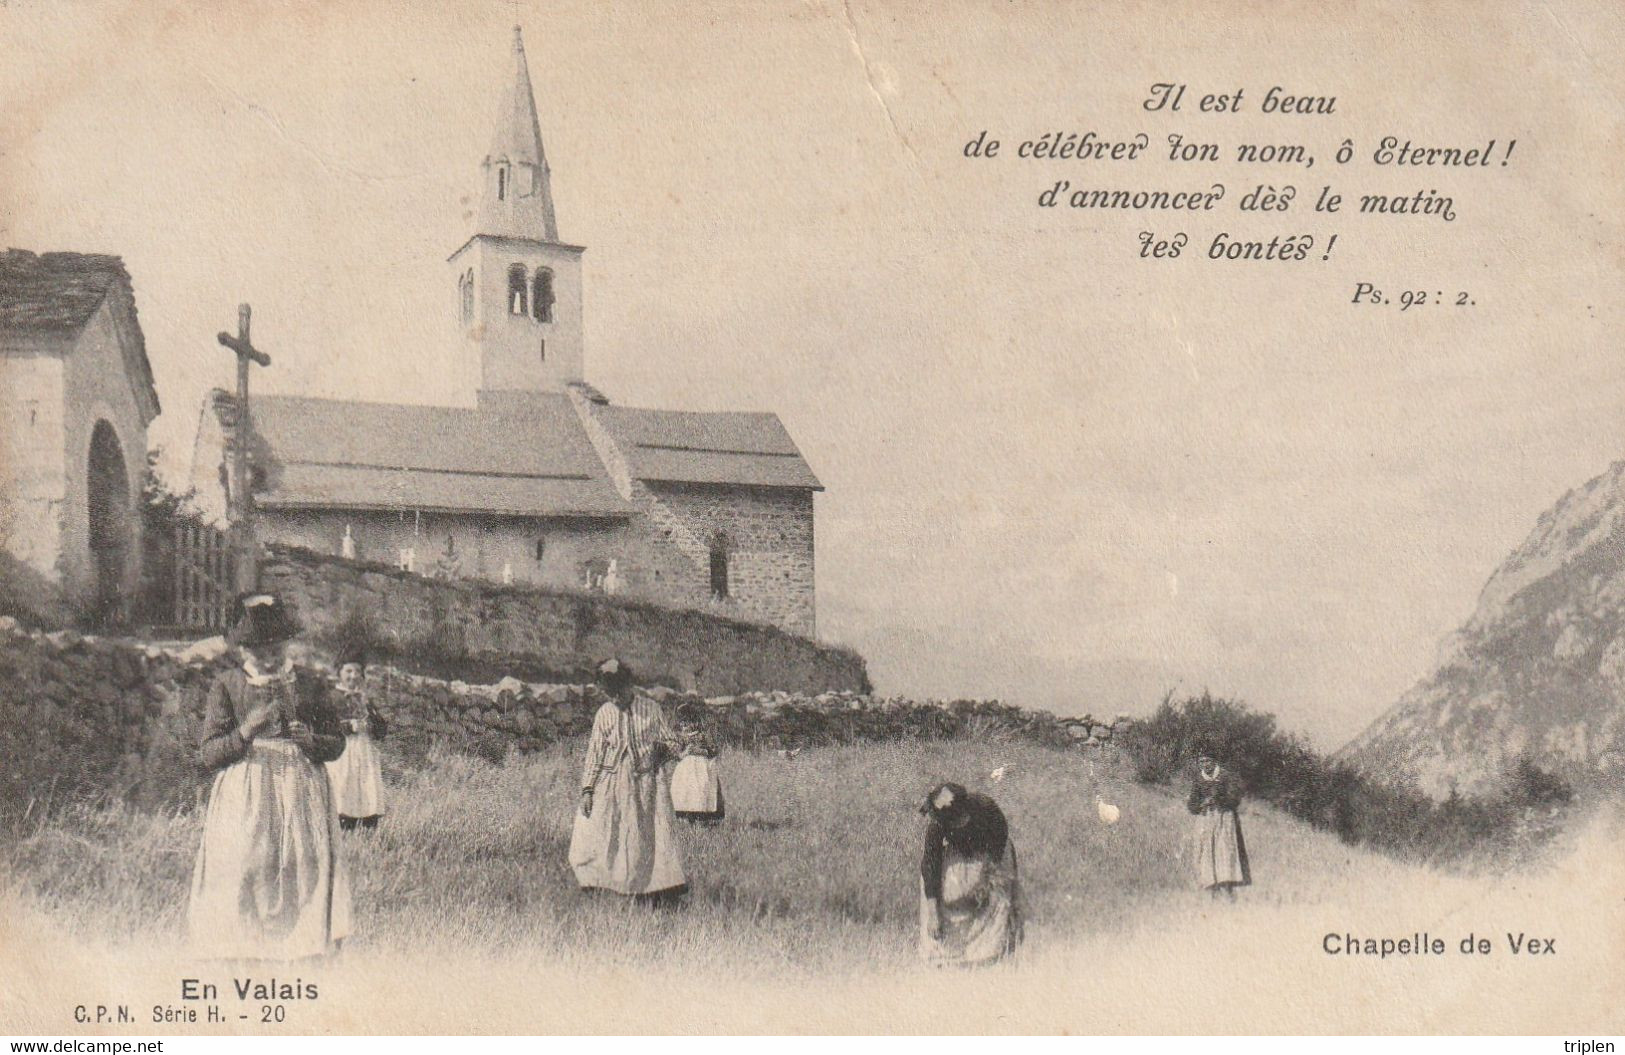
525 210
55 294
708 448
525 458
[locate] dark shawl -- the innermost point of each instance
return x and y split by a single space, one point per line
983 833
229 701
1224 794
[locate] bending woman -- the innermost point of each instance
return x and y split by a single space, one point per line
269 881
970 911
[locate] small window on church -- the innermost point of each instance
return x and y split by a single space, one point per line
502 183
516 290
541 301
719 568
465 287
541 548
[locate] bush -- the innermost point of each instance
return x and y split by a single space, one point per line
357 631
1270 763
1283 771
162 508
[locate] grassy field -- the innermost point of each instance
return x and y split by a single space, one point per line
803 915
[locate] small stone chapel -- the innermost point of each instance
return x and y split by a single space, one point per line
76 397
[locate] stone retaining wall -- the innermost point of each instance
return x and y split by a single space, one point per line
85 718
551 632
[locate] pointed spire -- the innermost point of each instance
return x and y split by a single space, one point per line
518 201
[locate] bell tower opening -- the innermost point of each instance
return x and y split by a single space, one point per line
516 289
541 300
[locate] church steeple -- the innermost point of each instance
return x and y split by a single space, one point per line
518 286
518 197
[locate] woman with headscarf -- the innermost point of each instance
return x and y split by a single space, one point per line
625 833
970 910
356 775
696 787
269 882
1221 852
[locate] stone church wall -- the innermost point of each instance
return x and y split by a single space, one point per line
768 536
558 633
471 547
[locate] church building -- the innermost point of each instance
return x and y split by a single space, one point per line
543 480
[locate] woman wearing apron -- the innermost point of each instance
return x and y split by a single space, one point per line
1221 852
625 833
269 882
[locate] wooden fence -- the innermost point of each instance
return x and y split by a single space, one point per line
203 598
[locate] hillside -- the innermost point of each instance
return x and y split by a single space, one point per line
804 913
1537 672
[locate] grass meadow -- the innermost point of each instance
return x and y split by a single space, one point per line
803 912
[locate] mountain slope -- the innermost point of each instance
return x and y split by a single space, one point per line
1537 672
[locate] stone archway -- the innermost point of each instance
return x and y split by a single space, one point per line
107 488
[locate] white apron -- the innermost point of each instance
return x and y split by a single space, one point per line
981 910
695 786
357 778
1221 855
269 882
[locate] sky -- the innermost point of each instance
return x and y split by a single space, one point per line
1056 472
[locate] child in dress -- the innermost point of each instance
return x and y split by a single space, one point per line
696 785
356 776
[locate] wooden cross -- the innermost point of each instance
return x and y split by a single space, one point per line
239 495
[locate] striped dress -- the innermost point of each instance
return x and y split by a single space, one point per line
629 844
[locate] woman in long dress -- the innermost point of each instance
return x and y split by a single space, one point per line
696 786
970 893
356 775
269 882
625 833
1221 852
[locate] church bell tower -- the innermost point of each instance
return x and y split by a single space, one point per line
518 286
